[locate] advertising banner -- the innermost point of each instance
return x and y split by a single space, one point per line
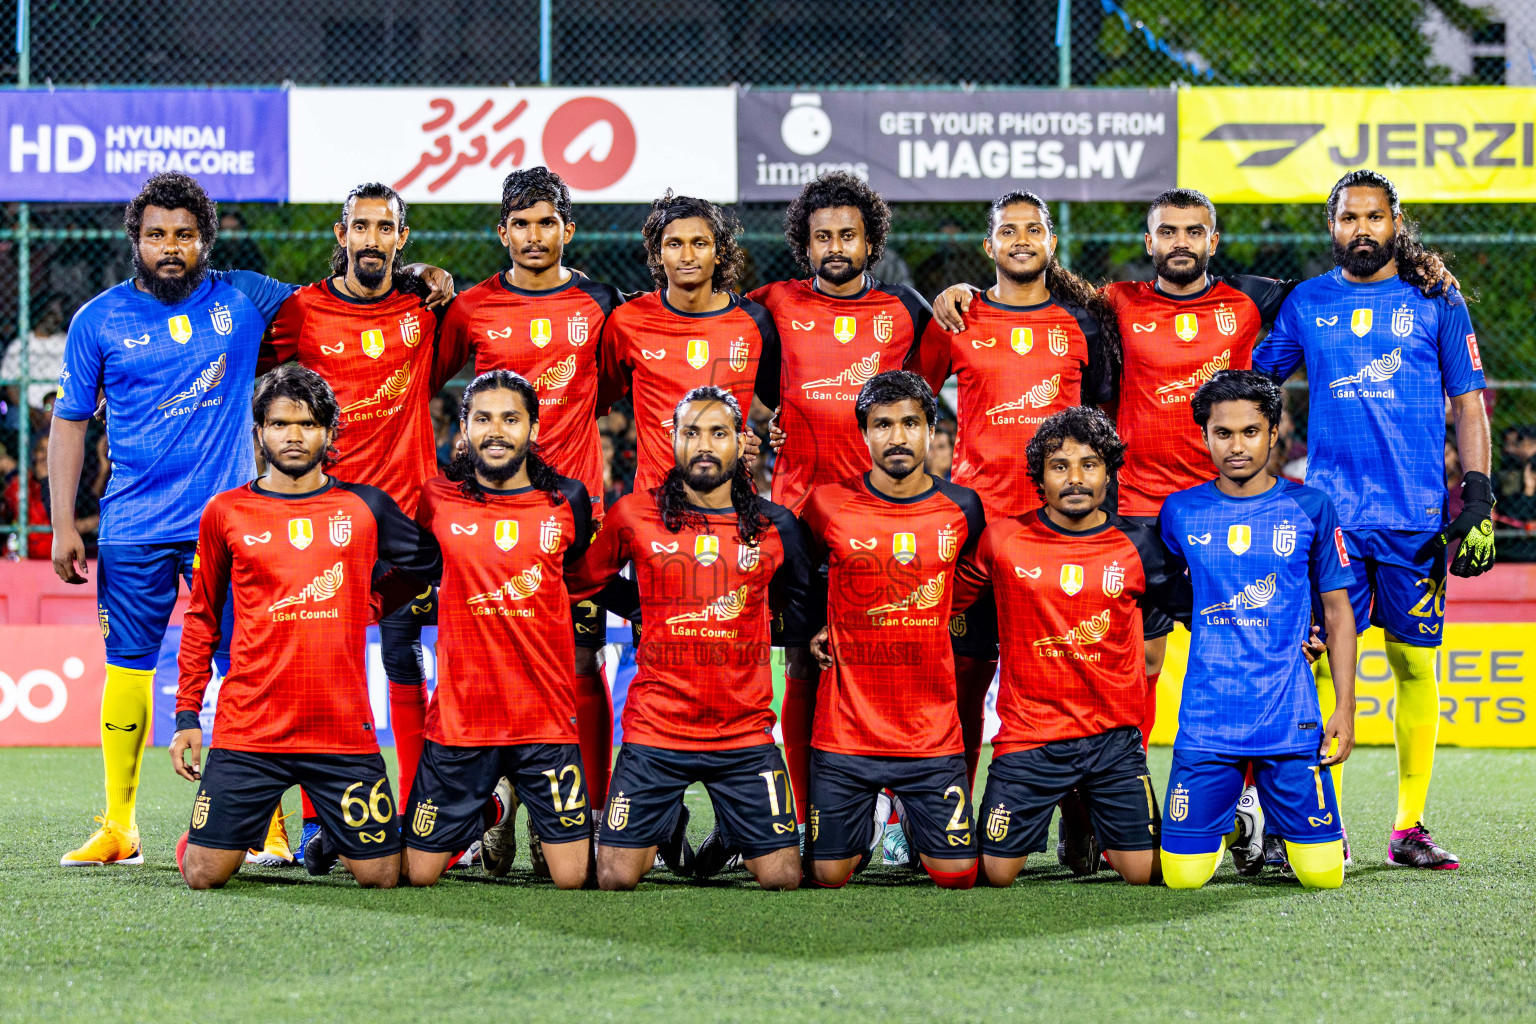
50 686
1452 144
456 145
98 145
1077 144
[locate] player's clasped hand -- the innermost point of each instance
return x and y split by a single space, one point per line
188 741
438 281
821 648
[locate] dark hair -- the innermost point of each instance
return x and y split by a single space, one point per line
1081 423
891 387
1420 267
1363 178
525 188
304 386
672 496
1182 199
1239 386
722 224
372 190
461 468
833 189
172 191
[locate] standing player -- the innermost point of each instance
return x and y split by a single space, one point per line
544 321
299 552
1382 360
885 713
1260 552
1071 582
711 558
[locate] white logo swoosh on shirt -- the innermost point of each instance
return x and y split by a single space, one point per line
1144 328
468 531
1331 321
258 538
1203 539
659 548
660 353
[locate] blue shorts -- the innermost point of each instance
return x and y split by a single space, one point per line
135 594
1393 587
1295 790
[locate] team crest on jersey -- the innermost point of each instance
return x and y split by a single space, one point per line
340 529
1284 539
698 353
1071 578
882 325
1239 538
997 823
1022 340
949 542
1114 579
739 352
222 321
540 331
904 547
549 535
618 813
301 533
410 330
1186 326
1360 322
748 557
844 328
106 624
425 819
200 810
181 328
1178 803
506 534
576 329
706 549
1056 341
1226 320
1402 321
373 343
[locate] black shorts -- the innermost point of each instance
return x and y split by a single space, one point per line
453 784
792 628
1154 621
749 788
400 638
350 793
1109 770
973 633
934 791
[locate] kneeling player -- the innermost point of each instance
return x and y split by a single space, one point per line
1071 581
710 557
1257 548
299 550
885 713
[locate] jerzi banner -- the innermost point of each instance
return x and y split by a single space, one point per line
98 145
457 145
1461 144
1078 144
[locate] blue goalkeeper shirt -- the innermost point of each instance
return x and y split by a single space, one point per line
1380 360
1254 564
178 383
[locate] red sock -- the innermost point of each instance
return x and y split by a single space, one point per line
1149 716
1248 775
408 720
594 729
181 852
953 879
795 717
308 808
973 677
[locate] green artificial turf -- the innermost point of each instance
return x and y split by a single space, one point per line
132 944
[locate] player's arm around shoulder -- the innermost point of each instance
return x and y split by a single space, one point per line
1167 580
611 548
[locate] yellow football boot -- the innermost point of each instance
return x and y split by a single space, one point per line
276 853
110 844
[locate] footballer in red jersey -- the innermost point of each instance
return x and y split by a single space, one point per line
885 713
693 331
508 525
711 559
545 322
1071 581
310 560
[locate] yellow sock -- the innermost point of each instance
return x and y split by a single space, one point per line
125 702
1326 703
1317 865
1416 725
1190 870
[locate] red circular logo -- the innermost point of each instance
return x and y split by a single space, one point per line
589 142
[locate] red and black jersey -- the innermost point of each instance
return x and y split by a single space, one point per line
703 680
554 339
831 346
1172 344
890 578
1016 365
1069 613
377 355
302 568
661 354
504 641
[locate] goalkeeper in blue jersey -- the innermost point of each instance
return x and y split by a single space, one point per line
172 352
1260 552
1381 360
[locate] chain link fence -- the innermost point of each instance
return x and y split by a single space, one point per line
57 256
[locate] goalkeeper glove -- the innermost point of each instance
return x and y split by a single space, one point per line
1473 527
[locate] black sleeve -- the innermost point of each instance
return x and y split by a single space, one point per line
607 297
769 363
581 510
792 590
403 544
1101 377
1168 586
917 309
970 503
1266 293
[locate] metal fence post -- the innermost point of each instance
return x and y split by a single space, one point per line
22 535
1064 81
